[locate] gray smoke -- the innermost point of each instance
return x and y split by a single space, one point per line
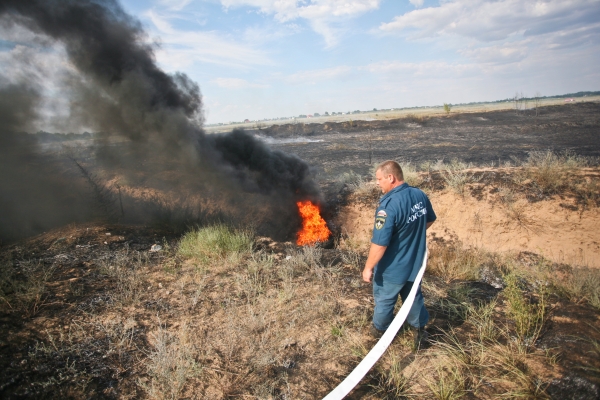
152 137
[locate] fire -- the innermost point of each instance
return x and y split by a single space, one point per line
314 228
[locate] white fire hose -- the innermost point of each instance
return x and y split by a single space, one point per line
377 351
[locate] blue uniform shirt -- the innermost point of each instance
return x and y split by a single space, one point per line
400 223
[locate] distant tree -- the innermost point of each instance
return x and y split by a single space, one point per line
518 100
374 109
447 108
326 113
317 114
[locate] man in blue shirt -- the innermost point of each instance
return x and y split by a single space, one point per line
397 249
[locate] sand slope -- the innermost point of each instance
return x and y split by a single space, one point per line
552 228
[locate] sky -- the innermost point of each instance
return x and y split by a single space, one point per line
257 59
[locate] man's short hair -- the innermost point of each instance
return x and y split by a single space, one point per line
391 167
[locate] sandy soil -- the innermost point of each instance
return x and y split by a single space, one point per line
549 228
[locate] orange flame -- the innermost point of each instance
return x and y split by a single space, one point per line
314 229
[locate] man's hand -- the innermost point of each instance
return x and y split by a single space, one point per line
375 253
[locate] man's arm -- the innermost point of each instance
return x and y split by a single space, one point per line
375 253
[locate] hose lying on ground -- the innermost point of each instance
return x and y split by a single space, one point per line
377 351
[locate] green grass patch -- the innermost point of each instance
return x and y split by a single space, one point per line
216 242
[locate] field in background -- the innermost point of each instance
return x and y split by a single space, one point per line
399 113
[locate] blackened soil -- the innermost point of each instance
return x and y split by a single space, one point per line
478 138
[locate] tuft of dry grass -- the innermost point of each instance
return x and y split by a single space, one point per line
516 208
577 284
456 176
453 262
171 363
23 285
411 175
549 170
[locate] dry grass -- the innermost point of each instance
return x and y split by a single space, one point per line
549 171
291 323
23 285
456 176
453 262
171 363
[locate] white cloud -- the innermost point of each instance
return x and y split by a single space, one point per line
502 31
312 77
417 3
175 5
260 34
421 69
181 49
236 83
500 54
322 15
485 20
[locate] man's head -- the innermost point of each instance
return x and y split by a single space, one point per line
389 175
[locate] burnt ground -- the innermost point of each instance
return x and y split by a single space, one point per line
478 138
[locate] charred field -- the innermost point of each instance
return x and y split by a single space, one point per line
207 302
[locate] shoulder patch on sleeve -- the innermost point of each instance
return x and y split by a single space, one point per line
381 213
379 222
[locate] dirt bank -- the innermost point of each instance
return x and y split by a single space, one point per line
555 228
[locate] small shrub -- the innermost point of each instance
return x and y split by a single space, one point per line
456 177
411 176
356 184
548 170
517 210
447 108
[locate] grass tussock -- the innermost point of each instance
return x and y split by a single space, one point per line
171 363
453 262
216 242
529 313
456 176
549 170
23 285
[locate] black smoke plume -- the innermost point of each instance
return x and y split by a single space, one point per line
152 152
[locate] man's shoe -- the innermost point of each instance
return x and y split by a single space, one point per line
376 333
421 338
